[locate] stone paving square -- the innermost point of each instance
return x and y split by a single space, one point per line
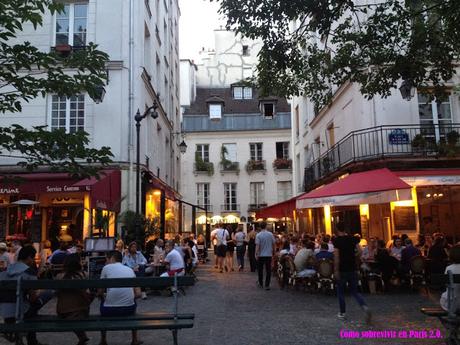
230 310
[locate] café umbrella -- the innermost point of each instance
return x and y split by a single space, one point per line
25 202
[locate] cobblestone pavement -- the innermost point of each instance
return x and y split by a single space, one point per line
231 310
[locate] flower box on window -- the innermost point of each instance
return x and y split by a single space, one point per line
282 163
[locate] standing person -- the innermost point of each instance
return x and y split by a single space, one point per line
73 304
118 301
59 255
346 249
214 244
240 242
230 250
135 260
265 247
221 236
252 249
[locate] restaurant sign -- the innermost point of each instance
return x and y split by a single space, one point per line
398 137
9 190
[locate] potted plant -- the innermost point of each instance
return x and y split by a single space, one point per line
201 165
448 146
282 163
130 219
419 143
255 165
63 49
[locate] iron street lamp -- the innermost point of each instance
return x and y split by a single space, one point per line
407 90
152 111
99 94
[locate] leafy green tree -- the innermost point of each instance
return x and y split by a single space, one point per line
26 72
374 44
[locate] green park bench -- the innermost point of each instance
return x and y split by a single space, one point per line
140 321
450 319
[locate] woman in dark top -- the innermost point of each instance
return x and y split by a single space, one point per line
386 263
438 256
73 304
252 249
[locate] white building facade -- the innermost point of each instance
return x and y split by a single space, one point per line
141 39
238 159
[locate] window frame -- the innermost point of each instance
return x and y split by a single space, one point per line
204 150
71 17
68 110
203 199
212 115
285 196
256 152
257 194
231 188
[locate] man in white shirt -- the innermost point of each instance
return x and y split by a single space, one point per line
118 301
221 236
174 261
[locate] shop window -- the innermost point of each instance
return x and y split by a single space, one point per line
68 113
71 25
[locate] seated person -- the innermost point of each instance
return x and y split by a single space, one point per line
300 260
173 260
386 263
396 249
134 259
59 255
368 255
118 301
454 256
407 254
324 252
327 239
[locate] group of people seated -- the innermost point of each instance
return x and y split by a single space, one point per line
391 260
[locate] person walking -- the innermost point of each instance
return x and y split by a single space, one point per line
240 241
346 250
265 247
221 236
252 249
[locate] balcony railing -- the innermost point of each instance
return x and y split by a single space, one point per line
256 207
396 141
199 210
230 208
253 166
229 167
203 168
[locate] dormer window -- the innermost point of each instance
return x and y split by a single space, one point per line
215 107
242 92
268 107
215 111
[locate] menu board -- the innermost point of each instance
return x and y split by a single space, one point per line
404 218
95 266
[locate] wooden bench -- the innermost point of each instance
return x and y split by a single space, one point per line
145 321
449 318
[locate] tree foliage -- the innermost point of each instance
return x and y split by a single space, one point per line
27 72
373 43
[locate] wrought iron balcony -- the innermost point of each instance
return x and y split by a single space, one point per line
230 208
254 166
384 142
256 207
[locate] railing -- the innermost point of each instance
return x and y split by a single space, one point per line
199 210
203 168
384 142
255 207
253 165
230 167
230 208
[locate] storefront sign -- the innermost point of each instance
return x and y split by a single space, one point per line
54 189
398 137
9 190
432 180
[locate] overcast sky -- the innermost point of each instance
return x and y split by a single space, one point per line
198 20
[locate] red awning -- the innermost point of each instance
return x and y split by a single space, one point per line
370 187
280 210
156 183
105 193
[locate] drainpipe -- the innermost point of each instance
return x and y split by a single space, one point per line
130 103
